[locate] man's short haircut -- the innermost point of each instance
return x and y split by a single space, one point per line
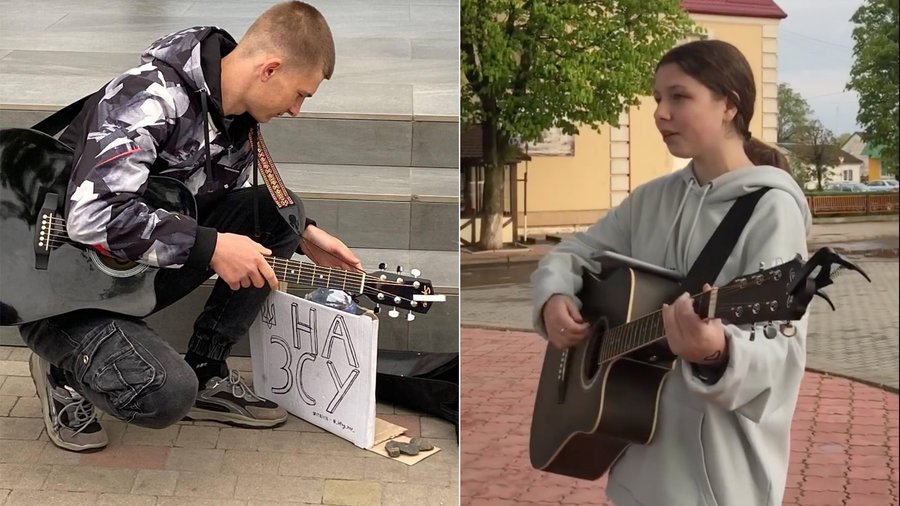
297 30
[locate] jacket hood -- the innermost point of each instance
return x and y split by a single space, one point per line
185 50
736 183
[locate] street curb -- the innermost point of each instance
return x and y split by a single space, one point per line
504 328
825 220
500 328
880 386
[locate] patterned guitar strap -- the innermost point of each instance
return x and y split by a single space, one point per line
290 208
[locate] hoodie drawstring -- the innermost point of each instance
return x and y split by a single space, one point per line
678 214
696 216
253 141
205 109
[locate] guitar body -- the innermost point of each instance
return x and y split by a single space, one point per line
34 166
597 398
585 415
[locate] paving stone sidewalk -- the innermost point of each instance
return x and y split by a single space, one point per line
844 449
207 463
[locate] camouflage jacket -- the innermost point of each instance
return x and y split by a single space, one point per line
149 121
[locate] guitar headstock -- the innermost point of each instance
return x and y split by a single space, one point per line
761 296
401 291
782 292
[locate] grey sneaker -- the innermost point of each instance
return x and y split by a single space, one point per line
70 419
229 400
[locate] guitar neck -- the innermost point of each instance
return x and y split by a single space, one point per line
644 331
312 275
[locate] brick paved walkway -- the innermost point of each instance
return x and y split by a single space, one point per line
844 448
207 463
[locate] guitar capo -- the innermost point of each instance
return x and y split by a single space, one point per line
824 258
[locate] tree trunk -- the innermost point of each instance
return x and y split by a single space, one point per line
492 214
492 211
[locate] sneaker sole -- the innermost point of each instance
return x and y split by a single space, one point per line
203 415
40 386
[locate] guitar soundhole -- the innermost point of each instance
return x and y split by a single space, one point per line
593 349
115 267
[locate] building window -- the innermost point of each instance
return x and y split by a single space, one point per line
848 175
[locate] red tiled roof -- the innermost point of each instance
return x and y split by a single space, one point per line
750 8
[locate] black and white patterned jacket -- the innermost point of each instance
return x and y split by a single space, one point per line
150 121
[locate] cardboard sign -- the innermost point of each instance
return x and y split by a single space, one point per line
318 363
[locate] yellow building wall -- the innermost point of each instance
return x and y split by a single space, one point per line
874 169
565 188
649 156
564 191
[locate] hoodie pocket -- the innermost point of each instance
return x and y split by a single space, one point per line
698 457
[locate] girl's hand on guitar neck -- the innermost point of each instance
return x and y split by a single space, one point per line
692 338
562 319
240 262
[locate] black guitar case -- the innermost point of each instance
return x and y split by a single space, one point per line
420 381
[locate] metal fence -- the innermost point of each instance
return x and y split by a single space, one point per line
860 204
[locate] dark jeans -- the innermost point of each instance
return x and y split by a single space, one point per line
123 367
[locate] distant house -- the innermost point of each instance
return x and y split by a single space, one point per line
842 166
870 156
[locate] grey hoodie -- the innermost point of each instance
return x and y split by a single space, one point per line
727 443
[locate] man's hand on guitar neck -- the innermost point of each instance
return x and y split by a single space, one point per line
240 262
562 319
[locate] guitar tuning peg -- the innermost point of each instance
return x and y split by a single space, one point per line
770 331
410 316
393 313
377 309
788 330
416 273
753 333
382 266
762 266
399 269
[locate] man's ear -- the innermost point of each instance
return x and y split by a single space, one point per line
269 68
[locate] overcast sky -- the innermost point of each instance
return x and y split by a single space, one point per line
815 53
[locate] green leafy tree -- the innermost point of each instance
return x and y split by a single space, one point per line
793 114
817 153
842 139
531 65
875 75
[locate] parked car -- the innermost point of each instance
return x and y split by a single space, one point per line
848 186
886 185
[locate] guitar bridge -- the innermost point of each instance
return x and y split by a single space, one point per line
43 231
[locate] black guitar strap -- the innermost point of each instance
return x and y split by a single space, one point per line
53 124
717 250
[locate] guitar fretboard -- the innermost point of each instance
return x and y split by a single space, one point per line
309 274
636 334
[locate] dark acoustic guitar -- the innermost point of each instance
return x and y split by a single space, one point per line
43 273
595 399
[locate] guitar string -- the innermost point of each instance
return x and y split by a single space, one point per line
57 241
367 290
59 225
